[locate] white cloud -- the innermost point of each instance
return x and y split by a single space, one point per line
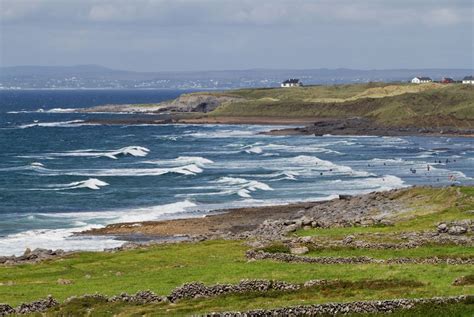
239 12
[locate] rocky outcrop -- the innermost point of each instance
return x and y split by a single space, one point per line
456 228
331 309
34 256
197 102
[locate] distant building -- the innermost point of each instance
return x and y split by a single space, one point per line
447 80
468 80
421 80
292 82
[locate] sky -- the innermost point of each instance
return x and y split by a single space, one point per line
190 35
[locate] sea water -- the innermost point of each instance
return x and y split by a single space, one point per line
60 174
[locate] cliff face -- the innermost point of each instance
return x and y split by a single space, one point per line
185 103
197 103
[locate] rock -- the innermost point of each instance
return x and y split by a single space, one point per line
37 306
345 197
62 281
256 244
27 251
118 274
457 230
292 228
306 221
348 239
386 222
299 250
306 239
6 310
442 227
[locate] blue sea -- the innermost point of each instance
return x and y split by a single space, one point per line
60 175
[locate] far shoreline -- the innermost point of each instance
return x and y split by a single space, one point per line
297 126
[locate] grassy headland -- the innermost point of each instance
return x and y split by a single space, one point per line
388 104
441 108
161 268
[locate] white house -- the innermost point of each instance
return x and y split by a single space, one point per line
292 82
468 80
421 80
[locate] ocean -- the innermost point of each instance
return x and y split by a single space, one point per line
60 175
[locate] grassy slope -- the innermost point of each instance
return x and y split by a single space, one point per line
164 267
390 104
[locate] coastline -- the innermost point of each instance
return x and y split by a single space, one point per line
240 223
298 126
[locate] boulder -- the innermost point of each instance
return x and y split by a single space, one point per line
457 230
442 227
62 281
306 221
299 250
348 239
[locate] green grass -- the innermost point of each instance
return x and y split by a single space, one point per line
101 308
389 104
421 252
162 268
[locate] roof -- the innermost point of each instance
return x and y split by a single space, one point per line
468 78
423 78
291 81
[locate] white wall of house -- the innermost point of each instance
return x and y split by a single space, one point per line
291 85
417 80
468 81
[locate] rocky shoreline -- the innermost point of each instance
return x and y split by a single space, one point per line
363 126
269 223
307 126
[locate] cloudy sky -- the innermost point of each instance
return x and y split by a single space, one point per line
161 35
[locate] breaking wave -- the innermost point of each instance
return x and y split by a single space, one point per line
91 183
60 124
241 186
137 151
196 160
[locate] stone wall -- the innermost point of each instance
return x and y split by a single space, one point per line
285 257
385 306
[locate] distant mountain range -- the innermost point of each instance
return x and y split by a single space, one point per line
93 76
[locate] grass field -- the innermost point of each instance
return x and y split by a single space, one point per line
388 104
162 268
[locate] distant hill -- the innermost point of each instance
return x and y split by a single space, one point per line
94 76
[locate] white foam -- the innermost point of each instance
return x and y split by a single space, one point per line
241 186
318 164
64 239
196 160
254 150
91 183
54 239
62 110
365 185
60 124
308 148
190 169
133 150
